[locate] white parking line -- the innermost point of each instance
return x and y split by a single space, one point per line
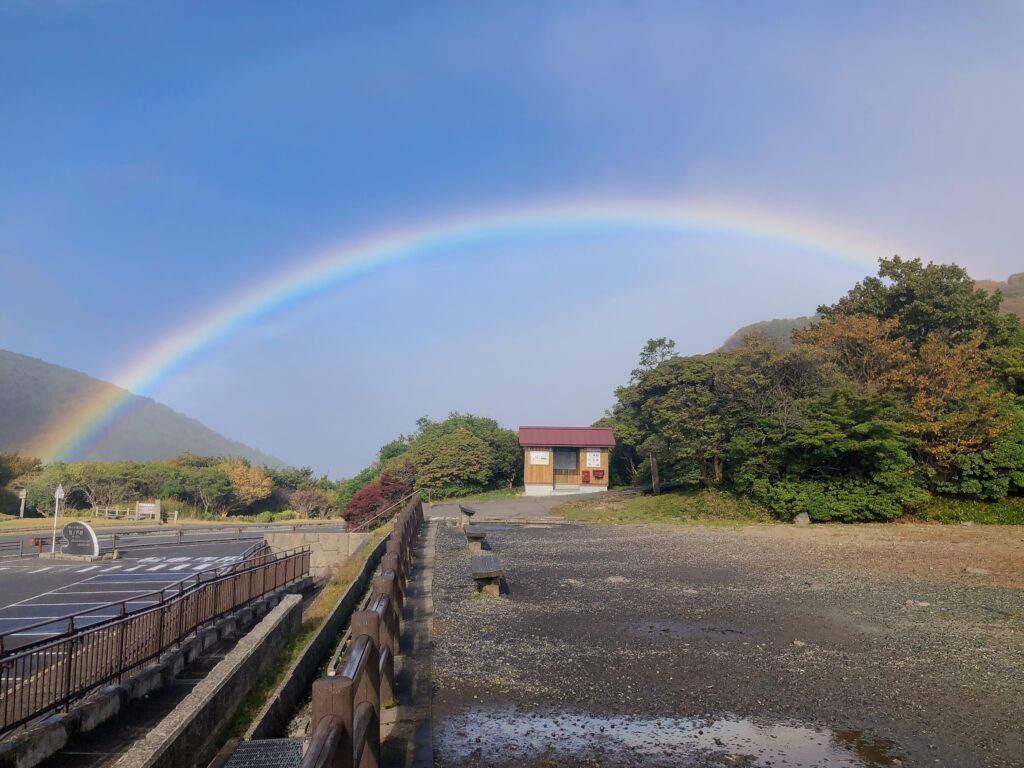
86 570
156 567
40 570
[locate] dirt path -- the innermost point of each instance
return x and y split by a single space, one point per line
765 645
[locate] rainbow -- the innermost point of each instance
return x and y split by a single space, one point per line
338 265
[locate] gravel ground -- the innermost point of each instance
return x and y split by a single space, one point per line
758 646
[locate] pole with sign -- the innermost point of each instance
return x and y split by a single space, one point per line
57 496
21 495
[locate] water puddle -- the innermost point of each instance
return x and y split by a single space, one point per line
506 736
684 630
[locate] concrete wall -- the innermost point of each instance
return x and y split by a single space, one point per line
533 489
327 550
270 723
187 736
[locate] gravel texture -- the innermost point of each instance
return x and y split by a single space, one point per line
764 645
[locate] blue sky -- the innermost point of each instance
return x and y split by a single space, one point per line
158 158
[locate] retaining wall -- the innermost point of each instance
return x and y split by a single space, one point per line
187 737
327 550
272 719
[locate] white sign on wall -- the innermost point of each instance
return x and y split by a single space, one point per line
540 457
594 459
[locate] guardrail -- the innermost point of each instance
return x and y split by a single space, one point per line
50 674
12 549
380 518
346 705
257 554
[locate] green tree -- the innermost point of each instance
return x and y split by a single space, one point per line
929 299
209 488
451 462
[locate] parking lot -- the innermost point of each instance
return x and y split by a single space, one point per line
35 594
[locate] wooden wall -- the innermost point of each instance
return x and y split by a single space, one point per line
542 474
539 474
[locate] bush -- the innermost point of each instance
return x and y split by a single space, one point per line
842 500
312 503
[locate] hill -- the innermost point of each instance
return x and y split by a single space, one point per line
1013 292
32 390
775 329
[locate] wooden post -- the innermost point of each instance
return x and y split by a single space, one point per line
332 698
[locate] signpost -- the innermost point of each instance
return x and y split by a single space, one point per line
22 493
81 540
58 496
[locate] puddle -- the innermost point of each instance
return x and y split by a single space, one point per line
684 630
504 735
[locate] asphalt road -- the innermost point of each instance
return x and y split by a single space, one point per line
33 591
134 536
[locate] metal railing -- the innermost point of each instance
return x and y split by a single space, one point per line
50 674
346 705
381 517
10 549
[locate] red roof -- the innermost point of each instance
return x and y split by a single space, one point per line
566 437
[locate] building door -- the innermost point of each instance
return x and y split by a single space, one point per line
566 468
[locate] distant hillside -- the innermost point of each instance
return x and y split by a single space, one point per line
1013 303
1013 292
32 391
775 329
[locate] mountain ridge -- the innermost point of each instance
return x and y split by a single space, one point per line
31 390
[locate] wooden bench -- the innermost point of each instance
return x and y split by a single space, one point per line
475 536
487 574
467 514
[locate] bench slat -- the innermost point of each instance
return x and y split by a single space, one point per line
474 532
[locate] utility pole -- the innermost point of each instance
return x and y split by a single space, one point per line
57 496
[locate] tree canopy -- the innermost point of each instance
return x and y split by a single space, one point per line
909 385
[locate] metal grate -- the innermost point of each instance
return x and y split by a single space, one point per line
267 753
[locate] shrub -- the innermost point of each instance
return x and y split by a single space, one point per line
312 503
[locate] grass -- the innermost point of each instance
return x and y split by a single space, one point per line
704 506
1008 511
496 493
312 617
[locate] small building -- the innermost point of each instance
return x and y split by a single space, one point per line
565 459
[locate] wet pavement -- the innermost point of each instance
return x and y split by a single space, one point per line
699 646
500 735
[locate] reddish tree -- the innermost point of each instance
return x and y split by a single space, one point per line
393 484
364 504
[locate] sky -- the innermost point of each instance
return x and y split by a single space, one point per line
160 159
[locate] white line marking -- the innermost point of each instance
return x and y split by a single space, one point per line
31 634
35 605
112 568
40 570
86 570
179 567
156 567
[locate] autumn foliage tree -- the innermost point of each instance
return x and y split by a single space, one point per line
909 385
